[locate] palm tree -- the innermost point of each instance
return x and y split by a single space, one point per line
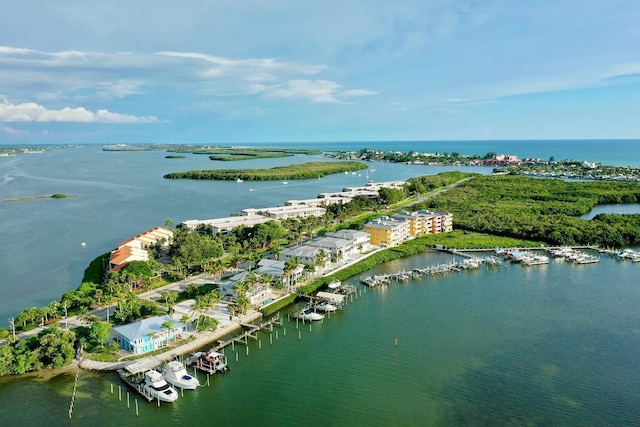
199 305
168 326
243 302
276 250
185 319
214 298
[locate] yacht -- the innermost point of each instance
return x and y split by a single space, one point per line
309 314
326 307
334 284
208 361
175 373
156 387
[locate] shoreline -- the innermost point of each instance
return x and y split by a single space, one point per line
201 339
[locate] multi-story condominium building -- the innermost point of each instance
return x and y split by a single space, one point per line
387 232
225 225
286 212
426 222
391 231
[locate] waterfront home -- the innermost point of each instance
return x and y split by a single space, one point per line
360 239
333 246
304 253
147 334
277 268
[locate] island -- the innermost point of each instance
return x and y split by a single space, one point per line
307 170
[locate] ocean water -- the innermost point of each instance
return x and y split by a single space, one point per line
547 345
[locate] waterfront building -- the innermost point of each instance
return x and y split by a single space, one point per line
426 222
304 253
226 225
136 248
391 231
360 239
286 212
333 246
319 201
147 334
387 232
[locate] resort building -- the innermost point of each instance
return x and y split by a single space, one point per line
226 225
147 334
286 212
391 231
124 255
149 238
387 232
426 222
319 201
136 248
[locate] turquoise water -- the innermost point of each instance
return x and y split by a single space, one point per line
545 345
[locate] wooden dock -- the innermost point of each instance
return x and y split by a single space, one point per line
251 331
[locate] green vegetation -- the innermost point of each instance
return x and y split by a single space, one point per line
51 348
175 156
542 209
247 153
296 171
58 196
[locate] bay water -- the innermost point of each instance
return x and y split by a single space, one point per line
557 344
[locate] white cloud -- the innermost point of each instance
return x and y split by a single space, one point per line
11 131
312 90
81 77
32 112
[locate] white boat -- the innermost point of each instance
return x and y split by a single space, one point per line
285 182
326 307
156 387
309 314
335 284
239 180
175 373
208 361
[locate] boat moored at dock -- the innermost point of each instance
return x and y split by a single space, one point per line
208 361
175 373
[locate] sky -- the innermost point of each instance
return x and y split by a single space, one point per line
241 71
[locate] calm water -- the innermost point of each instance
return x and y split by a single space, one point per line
545 345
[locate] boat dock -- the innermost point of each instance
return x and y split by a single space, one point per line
251 331
132 375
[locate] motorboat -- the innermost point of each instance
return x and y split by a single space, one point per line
309 314
326 307
175 373
208 361
335 284
156 387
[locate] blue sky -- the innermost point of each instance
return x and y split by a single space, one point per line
230 71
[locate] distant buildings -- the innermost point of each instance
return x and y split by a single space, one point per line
503 160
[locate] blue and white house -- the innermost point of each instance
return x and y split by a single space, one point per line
147 334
